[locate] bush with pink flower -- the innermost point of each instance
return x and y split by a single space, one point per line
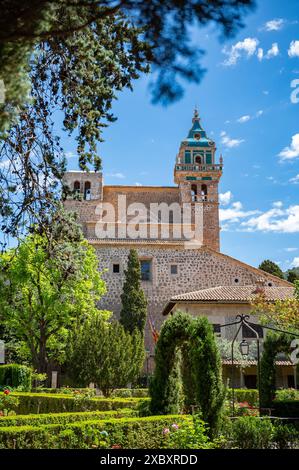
8 403
192 434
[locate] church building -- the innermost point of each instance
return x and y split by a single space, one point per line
175 230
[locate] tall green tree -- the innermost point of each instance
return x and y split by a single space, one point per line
105 354
134 303
47 284
271 268
293 275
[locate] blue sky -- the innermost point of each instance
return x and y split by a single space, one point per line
245 104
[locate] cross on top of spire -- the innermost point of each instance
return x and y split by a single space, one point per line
196 115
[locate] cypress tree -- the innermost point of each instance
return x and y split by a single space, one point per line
134 302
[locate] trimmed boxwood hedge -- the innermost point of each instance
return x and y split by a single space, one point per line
15 376
62 418
128 433
118 392
286 408
30 403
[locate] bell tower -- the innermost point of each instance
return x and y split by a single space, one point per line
197 174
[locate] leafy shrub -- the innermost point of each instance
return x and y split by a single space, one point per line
126 433
8 403
286 436
249 432
191 434
62 418
51 403
287 394
15 376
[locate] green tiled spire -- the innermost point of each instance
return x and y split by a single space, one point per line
197 136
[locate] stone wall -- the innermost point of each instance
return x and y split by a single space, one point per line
197 269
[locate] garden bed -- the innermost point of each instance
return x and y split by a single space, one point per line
129 433
31 403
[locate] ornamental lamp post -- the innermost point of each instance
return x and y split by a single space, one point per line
244 347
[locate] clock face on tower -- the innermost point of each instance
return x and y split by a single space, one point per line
197 136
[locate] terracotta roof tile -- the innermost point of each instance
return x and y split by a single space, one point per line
235 293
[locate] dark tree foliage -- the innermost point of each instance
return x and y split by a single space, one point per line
167 29
80 76
134 303
271 268
274 343
293 275
204 388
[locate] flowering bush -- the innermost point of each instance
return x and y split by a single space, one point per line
8 403
190 435
245 409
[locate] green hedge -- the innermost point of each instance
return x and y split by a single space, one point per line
286 408
244 394
62 418
128 433
118 392
64 390
130 392
31 403
15 376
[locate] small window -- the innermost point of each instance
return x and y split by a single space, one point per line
174 269
87 191
116 268
146 266
77 186
248 333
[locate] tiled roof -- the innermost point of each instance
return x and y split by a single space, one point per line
235 294
250 362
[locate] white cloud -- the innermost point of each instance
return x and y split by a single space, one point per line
234 213
277 219
244 118
247 47
291 249
138 184
294 49
225 198
116 175
274 25
295 262
260 53
229 142
295 179
291 151
272 52
247 117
